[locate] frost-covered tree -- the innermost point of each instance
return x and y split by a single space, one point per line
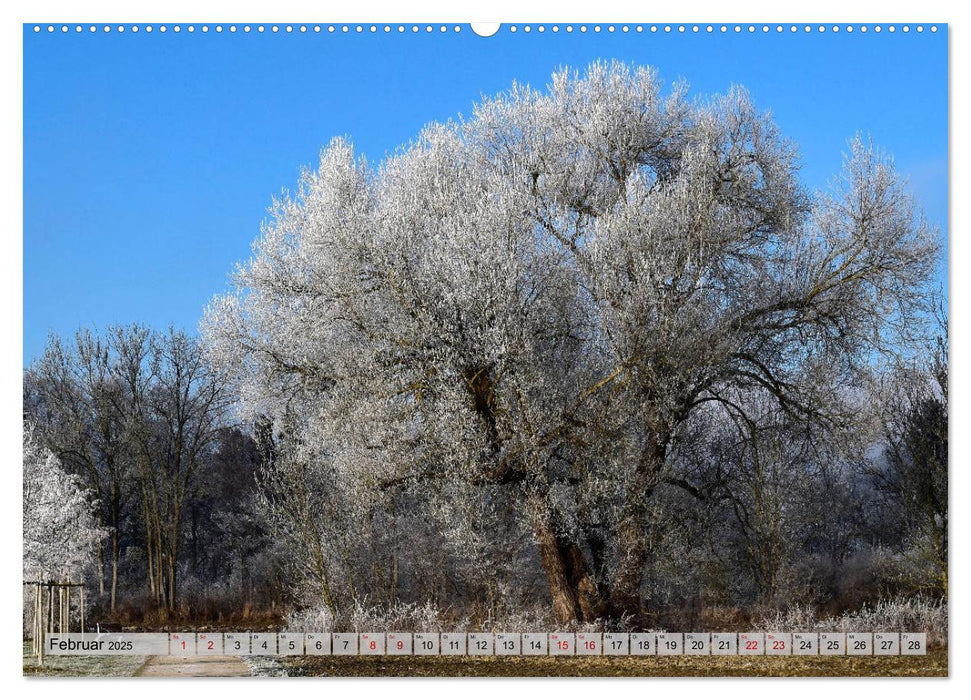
769 494
536 300
60 529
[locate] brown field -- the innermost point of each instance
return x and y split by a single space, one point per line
934 664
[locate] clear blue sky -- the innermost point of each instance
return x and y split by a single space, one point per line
150 159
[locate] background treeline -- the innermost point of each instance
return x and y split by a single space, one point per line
137 416
209 519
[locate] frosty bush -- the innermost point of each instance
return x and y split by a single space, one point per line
915 614
364 617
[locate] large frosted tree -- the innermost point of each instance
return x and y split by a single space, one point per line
539 297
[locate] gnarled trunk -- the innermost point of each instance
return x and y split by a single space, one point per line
566 604
592 604
568 576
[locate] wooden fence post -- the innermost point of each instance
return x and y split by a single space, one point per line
50 616
42 613
36 633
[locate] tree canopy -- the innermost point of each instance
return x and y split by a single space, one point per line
532 307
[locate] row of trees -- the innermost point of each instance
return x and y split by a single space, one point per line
135 414
595 348
747 515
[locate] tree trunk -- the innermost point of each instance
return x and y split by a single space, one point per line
150 556
101 567
625 590
159 569
940 552
592 604
114 567
568 576
174 530
173 571
566 605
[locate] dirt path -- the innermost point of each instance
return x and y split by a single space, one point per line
193 666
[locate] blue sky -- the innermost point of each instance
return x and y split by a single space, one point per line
150 159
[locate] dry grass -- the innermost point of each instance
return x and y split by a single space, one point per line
81 666
934 664
201 618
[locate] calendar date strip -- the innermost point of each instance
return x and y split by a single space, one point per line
488 644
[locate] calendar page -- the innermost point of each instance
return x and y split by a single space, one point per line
436 348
